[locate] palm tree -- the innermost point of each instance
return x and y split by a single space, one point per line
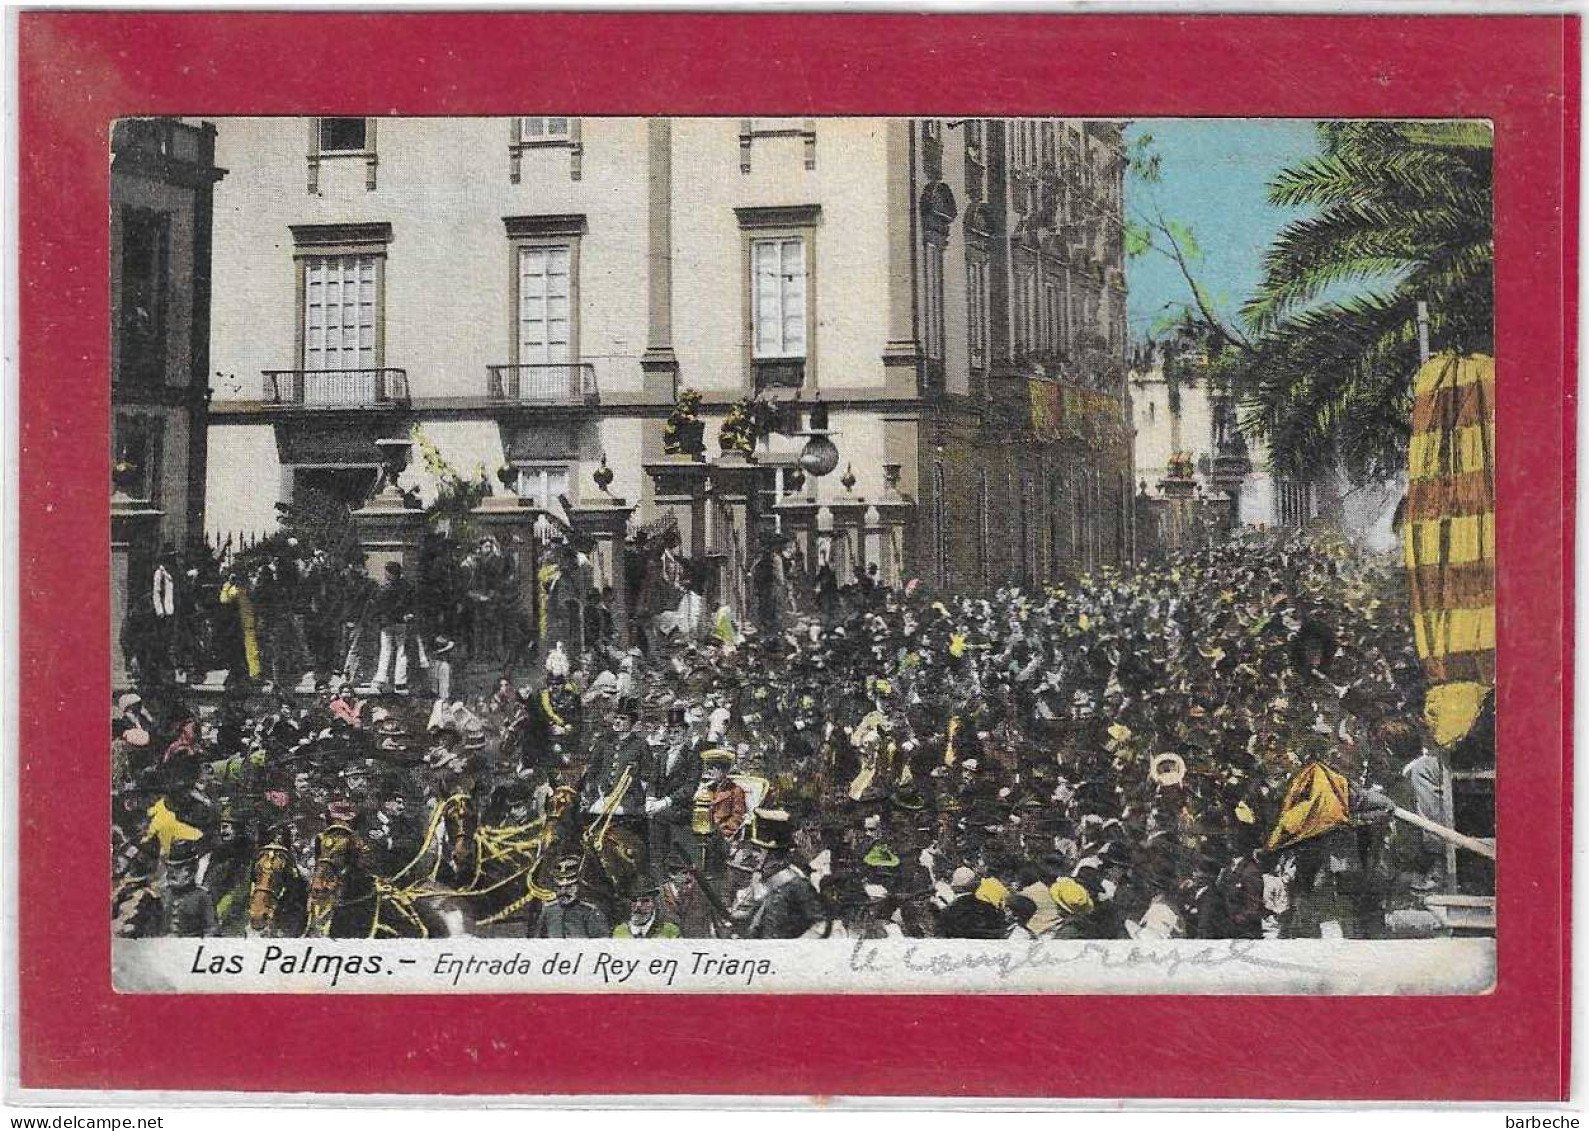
1400 213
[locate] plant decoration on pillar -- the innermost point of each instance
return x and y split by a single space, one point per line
684 434
456 496
738 431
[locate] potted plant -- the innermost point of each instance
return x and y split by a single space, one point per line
684 433
738 430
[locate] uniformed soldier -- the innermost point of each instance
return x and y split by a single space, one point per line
186 909
568 916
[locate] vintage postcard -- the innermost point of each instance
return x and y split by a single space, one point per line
837 524
803 553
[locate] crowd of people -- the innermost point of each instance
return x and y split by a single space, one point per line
1104 759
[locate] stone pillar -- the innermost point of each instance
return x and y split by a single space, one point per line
901 353
849 524
605 522
134 541
389 532
1179 493
892 511
659 363
735 482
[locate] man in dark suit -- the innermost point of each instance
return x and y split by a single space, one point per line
671 781
780 902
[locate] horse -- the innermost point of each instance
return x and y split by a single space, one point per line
277 895
346 901
478 875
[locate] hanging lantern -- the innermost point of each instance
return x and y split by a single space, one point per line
819 457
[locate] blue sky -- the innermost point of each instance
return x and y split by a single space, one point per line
1215 176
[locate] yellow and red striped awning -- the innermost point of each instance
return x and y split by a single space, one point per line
1448 536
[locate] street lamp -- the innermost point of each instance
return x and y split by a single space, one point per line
819 456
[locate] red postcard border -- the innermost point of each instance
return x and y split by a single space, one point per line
79 70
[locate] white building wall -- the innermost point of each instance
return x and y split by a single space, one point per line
1156 440
444 186
710 276
244 478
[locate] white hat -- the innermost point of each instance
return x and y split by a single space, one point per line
130 699
963 878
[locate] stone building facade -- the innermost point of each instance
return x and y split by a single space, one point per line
162 180
533 292
163 176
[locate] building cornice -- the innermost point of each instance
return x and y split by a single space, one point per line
319 239
779 216
544 227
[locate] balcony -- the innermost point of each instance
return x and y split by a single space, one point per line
568 384
336 388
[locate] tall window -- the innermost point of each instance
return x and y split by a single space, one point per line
1078 527
940 523
145 255
1029 527
1053 315
138 442
340 297
933 271
545 300
543 129
1026 309
977 310
778 296
984 528
1056 534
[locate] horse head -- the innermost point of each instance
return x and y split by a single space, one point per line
272 880
338 870
460 824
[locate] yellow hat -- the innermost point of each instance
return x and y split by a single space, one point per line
992 891
1070 895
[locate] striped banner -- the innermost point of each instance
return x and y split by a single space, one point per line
1448 536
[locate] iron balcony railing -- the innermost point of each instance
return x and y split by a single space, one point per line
548 383
336 388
